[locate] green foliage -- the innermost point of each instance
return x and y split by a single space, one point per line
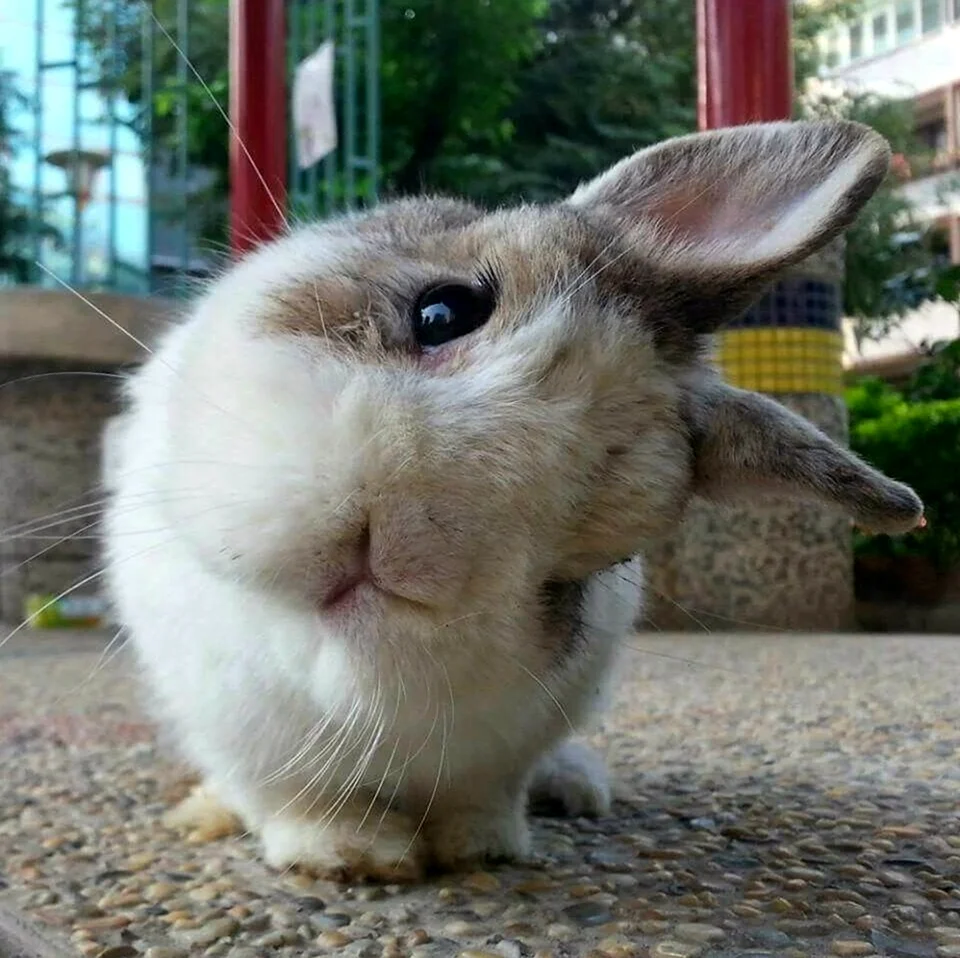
607 77
496 99
919 443
500 100
449 71
871 398
939 377
891 265
914 434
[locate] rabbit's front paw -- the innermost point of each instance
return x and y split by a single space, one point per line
203 817
466 836
347 849
572 780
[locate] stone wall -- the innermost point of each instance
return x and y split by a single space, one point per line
51 417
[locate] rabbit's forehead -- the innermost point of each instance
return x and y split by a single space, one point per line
362 300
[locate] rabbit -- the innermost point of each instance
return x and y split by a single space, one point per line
378 504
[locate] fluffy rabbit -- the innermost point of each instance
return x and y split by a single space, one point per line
377 503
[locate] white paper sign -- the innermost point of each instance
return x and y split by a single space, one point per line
314 114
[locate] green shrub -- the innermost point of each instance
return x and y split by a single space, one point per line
870 398
939 376
917 443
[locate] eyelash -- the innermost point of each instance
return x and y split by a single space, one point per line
489 278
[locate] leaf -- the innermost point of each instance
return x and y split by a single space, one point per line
947 286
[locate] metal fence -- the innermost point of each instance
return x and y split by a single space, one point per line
118 146
347 176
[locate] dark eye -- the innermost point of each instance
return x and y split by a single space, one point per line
448 312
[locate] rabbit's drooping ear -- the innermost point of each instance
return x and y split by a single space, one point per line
745 444
722 212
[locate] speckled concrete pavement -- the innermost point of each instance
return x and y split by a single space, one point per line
780 795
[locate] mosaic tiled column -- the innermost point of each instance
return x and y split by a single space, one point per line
775 564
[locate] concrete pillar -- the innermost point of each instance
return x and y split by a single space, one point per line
777 564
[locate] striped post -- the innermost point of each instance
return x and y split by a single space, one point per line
777 564
791 342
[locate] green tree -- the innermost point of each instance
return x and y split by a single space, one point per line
18 224
491 98
505 99
449 72
608 77
894 262
447 75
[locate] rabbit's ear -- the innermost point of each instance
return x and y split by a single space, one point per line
745 444
722 212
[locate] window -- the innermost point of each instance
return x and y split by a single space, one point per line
931 15
856 40
933 135
906 22
881 34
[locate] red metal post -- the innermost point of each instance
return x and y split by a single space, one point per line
745 65
258 110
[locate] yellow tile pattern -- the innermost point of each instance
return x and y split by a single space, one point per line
782 359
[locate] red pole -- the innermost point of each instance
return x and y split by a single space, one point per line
745 64
258 109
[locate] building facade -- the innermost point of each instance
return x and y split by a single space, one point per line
910 49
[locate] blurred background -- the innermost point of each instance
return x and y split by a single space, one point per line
115 179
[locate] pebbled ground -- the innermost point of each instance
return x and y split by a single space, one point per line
781 795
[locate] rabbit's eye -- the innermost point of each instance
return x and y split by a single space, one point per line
447 312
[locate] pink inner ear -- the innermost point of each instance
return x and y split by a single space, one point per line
689 210
717 214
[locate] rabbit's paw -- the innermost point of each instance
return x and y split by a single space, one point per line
572 780
467 836
347 849
202 817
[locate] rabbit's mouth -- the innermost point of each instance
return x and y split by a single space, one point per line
361 601
361 593
347 590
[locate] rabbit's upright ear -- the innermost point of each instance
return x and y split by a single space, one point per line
720 213
745 444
